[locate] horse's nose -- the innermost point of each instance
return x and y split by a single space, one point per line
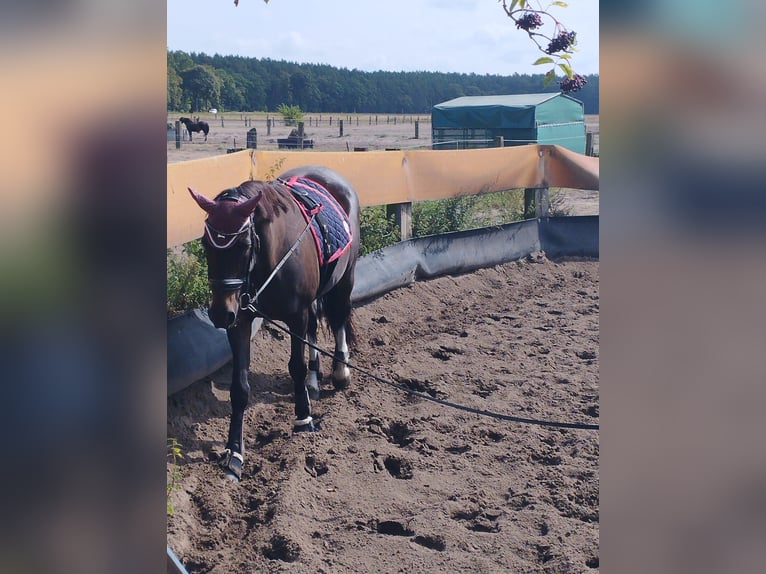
222 318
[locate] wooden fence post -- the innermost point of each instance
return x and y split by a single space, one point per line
588 143
301 133
417 129
542 202
536 202
499 141
268 126
340 124
252 138
402 217
178 134
221 121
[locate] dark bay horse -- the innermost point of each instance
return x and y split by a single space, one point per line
265 259
192 126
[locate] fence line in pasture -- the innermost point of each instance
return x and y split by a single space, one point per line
312 120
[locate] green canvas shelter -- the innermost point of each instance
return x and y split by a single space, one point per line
521 119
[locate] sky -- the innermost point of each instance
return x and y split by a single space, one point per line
463 36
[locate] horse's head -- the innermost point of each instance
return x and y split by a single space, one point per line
228 241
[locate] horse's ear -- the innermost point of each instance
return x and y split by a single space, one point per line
202 201
245 208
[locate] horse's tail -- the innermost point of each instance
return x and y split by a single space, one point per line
350 330
333 322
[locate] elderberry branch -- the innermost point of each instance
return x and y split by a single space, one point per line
560 44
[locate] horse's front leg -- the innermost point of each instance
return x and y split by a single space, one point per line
298 369
239 340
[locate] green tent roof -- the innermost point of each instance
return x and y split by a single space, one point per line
507 111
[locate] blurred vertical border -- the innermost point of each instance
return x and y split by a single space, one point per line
82 285
683 201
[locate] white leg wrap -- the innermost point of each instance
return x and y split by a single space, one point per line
228 454
301 422
341 371
312 382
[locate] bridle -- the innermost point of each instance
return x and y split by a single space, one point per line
221 240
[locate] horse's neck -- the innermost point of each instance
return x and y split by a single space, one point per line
274 233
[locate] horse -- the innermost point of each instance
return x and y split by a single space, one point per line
195 126
267 257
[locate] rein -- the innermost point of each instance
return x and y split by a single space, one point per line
248 302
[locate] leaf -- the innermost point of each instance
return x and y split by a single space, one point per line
557 3
549 77
543 60
567 69
565 56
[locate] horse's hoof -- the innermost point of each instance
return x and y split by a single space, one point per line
305 426
340 384
313 393
231 462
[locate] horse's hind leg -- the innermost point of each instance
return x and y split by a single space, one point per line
339 317
298 369
314 377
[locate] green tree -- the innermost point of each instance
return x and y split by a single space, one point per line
202 86
175 91
232 95
291 114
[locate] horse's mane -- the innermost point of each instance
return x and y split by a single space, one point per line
271 202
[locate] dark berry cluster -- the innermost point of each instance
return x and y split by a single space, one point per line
529 21
572 84
561 42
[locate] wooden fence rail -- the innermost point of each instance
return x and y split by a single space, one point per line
382 177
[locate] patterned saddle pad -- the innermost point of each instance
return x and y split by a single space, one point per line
331 229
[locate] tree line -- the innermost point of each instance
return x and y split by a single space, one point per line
199 82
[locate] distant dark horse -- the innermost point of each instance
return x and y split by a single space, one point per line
192 126
259 227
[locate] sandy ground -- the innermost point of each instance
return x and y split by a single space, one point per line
394 483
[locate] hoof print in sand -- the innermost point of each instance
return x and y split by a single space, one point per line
282 548
479 521
392 528
315 467
432 541
398 467
400 433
